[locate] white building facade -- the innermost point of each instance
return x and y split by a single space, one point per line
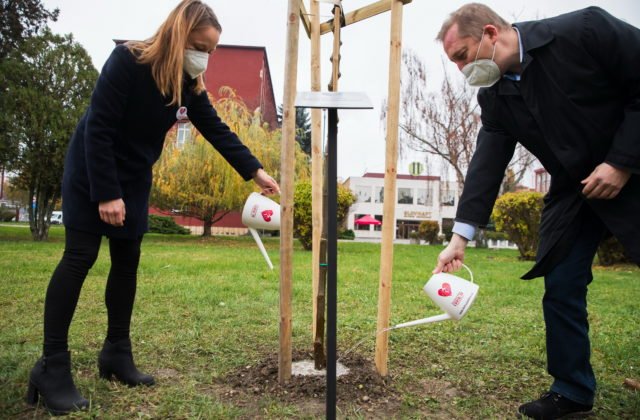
418 198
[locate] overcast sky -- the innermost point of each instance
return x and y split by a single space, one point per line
365 49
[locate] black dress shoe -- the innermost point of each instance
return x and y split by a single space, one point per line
552 405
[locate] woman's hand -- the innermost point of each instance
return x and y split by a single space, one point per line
269 185
112 212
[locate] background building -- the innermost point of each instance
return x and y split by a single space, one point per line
542 180
418 198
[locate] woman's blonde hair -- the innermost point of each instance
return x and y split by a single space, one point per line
471 19
164 51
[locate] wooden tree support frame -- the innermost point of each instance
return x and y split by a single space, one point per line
391 170
318 199
320 187
350 18
296 12
287 157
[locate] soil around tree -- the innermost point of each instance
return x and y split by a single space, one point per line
361 390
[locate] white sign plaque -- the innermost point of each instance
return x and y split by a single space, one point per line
337 100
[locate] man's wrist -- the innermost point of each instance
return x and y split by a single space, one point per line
459 239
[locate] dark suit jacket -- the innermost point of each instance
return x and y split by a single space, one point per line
577 105
121 136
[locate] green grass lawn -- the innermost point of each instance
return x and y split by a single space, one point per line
207 307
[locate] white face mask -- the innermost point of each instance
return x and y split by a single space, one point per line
484 72
195 62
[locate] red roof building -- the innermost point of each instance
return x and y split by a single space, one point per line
245 70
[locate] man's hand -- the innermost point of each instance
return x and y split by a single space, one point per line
605 182
112 212
269 185
452 257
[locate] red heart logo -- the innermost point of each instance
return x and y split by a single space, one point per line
445 290
183 110
266 215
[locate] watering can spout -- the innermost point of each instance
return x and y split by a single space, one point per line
256 237
436 318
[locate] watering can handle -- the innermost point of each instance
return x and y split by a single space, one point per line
470 273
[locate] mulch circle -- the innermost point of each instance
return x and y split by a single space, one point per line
362 386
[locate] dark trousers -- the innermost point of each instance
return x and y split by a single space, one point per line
80 253
565 315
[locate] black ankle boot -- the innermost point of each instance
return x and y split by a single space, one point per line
116 359
51 380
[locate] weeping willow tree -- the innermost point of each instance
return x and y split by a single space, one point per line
196 180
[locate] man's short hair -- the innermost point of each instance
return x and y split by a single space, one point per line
471 19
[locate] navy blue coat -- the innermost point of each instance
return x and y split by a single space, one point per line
577 105
121 136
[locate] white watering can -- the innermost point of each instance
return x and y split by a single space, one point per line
454 295
261 212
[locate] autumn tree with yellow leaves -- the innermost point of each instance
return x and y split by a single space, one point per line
196 180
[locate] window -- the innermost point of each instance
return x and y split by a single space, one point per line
424 197
378 227
184 133
363 194
448 198
379 195
405 196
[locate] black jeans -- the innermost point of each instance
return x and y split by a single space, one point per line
565 314
80 253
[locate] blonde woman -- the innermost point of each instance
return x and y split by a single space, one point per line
141 90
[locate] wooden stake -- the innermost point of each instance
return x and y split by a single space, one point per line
287 164
304 17
391 160
316 195
361 14
335 56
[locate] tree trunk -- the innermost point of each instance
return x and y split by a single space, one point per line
40 211
319 356
31 208
206 232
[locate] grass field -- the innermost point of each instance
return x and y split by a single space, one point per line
207 307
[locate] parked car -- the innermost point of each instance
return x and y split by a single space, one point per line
56 218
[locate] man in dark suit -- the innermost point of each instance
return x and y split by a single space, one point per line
568 89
